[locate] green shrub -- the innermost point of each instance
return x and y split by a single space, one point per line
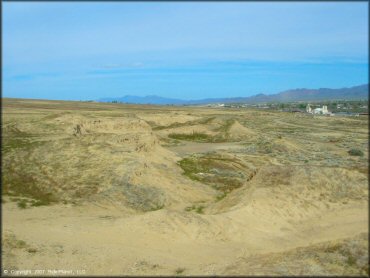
221 196
199 209
355 152
20 244
39 203
22 204
190 208
179 270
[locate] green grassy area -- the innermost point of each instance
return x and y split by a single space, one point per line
222 136
356 152
198 209
201 137
14 139
21 182
195 136
9 144
220 173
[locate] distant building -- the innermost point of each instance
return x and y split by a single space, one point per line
308 109
319 111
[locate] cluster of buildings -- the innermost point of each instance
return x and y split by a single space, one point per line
320 111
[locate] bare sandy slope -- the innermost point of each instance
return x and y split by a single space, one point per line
160 242
102 189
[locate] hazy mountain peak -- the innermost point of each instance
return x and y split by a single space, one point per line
299 94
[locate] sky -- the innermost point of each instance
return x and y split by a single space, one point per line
185 50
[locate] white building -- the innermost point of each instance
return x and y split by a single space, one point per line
308 108
317 111
322 111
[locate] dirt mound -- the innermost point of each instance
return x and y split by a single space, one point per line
238 131
95 155
339 257
172 119
296 192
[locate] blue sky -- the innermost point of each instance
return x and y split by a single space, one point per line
91 50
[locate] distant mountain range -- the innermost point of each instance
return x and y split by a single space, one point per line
353 93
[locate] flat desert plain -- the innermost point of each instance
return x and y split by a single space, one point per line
115 189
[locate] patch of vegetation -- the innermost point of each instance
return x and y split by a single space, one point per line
20 183
13 138
198 209
265 146
158 207
31 250
22 204
142 197
17 181
355 152
38 203
222 136
9 144
173 125
195 136
179 271
168 142
26 203
223 174
20 244
351 261
221 196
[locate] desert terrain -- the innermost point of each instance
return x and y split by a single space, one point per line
114 189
